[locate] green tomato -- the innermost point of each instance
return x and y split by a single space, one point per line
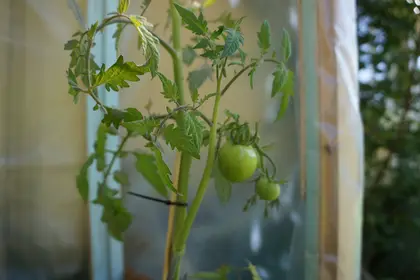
266 189
237 163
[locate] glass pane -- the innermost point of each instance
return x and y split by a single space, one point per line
222 234
43 220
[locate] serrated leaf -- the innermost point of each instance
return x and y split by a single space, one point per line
233 41
115 216
71 44
287 91
289 86
141 127
123 6
92 30
264 37
253 270
219 31
146 166
188 55
117 76
177 139
82 181
242 55
197 78
223 187
232 115
193 127
284 103
170 90
280 79
163 169
147 43
100 143
116 117
286 45
121 178
202 44
196 25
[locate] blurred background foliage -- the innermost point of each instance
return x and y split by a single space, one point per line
389 45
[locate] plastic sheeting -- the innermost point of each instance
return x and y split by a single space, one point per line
319 148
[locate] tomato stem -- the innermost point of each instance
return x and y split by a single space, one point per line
186 160
183 236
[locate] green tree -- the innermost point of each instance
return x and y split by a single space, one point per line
389 46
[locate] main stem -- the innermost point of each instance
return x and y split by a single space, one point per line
186 160
182 237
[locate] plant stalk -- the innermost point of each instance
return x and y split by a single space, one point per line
180 242
186 160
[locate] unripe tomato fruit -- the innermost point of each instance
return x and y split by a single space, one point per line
237 163
266 189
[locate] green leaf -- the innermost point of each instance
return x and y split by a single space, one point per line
116 117
82 181
163 169
170 90
121 178
253 270
148 44
205 275
176 139
242 55
280 79
288 91
141 127
123 6
146 166
233 41
284 103
92 30
264 37
115 216
223 187
286 45
219 31
116 76
188 55
197 78
71 44
100 143
196 25
203 43
193 128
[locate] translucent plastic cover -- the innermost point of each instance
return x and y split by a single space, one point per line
317 146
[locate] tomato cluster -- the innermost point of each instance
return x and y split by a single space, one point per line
240 157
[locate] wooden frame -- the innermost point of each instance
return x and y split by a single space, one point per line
331 146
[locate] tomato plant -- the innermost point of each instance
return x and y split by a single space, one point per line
183 127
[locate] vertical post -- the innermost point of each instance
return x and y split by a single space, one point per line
331 139
309 139
107 256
